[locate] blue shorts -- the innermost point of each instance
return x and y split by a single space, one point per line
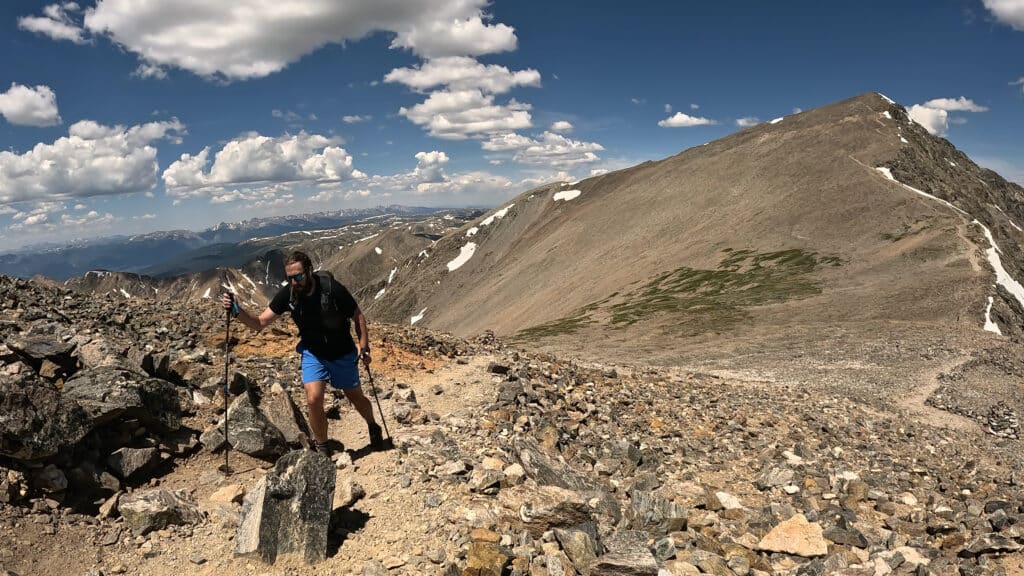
341 372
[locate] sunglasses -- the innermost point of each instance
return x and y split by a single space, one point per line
296 278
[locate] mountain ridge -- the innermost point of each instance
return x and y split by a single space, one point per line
807 182
134 253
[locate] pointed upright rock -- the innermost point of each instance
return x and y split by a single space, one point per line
289 510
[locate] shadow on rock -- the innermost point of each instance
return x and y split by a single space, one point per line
343 522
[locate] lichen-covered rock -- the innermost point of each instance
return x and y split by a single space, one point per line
38 421
289 509
158 509
110 392
249 431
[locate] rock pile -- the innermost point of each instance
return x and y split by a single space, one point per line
581 471
94 392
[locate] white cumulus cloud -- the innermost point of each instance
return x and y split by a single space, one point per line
1007 11
92 160
36 220
507 141
747 121
680 120
934 116
430 166
550 149
561 126
960 104
253 38
91 219
55 23
934 120
467 113
428 183
256 159
29 106
356 118
462 73
148 70
477 185
461 97
44 219
437 36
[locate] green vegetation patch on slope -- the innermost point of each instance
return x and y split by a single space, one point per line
701 300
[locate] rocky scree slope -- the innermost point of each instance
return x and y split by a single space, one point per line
570 468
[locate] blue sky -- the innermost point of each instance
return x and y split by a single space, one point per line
122 117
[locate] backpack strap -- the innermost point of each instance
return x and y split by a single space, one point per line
326 290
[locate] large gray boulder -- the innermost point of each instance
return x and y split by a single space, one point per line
34 349
249 431
127 462
96 351
109 392
538 509
550 471
289 510
36 422
286 417
158 509
46 354
627 555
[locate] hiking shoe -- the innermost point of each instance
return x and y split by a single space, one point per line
325 448
376 436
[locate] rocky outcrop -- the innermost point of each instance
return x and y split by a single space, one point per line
108 393
38 421
249 431
289 510
83 408
44 353
158 509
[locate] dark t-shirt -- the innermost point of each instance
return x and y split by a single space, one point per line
327 334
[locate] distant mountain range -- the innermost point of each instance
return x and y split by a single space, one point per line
364 255
175 248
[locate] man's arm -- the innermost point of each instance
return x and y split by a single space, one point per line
362 334
257 323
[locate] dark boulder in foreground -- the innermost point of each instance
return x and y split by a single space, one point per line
289 510
37 422
108 393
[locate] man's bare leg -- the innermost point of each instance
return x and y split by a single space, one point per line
315 403
365 409
361 403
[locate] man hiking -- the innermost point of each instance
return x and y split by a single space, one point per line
321 308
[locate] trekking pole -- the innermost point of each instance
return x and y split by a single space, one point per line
388 443
227 359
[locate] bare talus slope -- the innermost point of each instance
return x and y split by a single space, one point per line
783 232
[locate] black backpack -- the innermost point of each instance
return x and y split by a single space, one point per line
327 303
334 328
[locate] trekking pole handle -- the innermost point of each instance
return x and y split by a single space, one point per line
233 309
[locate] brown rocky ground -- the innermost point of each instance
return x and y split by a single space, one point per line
720 429
386 528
